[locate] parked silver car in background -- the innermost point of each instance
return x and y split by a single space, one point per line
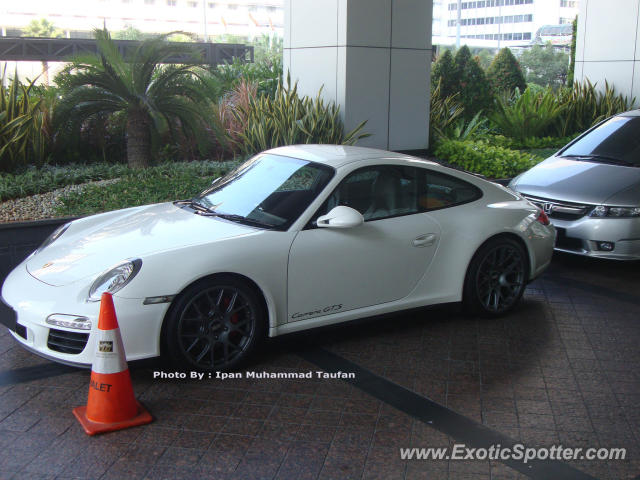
590 190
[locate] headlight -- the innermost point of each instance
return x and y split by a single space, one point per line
615 212
57 233
114 279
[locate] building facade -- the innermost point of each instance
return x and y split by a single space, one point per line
210 18
502 23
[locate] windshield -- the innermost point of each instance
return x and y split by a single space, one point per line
268 190
615 141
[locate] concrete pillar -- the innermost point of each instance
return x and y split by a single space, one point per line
608 45
372 57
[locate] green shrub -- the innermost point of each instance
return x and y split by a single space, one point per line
49 178
443 113
585 106
529 142
288 119
444 75
504 73
462 129
526 115
167 182
25 130
485 159
224 78
475 91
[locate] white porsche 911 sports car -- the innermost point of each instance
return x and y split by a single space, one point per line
296 237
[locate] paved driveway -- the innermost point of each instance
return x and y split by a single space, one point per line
563 369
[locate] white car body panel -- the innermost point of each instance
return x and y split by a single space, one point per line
371 269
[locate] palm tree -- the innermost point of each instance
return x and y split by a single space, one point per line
155 98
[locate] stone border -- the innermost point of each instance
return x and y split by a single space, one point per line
36 223
19 239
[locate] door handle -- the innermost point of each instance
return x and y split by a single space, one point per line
425 240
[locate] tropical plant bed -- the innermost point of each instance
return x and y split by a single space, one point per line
161 183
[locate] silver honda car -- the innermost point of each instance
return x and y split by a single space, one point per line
590 190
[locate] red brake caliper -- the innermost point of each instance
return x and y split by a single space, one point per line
234 317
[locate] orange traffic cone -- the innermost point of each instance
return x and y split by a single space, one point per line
112 404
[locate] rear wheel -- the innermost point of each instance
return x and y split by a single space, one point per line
496 278
215 324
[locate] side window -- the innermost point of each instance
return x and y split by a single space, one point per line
377 192
440 191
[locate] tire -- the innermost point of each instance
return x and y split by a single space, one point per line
215 325
496 278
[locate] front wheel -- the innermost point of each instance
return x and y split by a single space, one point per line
496 278
215 325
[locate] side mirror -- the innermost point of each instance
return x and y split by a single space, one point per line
341 217
214 181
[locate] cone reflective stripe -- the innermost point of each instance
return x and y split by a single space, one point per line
109 356
111 404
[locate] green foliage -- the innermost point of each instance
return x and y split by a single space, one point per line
485 57
529 143
526 115
475 91
267 49
155 98
49 178
129 33
444 75
288 119
443 113
162 183
572 54
504 73
485 159
24 125
41 28
584 106
545 65
466 130
224 78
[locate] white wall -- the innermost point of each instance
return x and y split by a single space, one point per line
372 57
608 45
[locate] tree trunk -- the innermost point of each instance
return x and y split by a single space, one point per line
45 73
138 140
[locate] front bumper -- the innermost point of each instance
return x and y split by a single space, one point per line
33 301
581 237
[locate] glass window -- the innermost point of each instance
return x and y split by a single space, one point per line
615 141
385 191
269 190
438 190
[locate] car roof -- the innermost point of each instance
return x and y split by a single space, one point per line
337 155
630 113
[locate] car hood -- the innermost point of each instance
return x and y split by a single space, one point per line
577 181
92 245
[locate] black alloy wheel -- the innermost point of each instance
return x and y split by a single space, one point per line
496 278
215 325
